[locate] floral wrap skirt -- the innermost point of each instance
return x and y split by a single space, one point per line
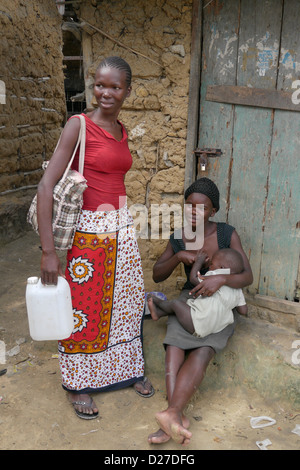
104 272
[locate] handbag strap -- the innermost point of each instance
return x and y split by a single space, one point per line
81 141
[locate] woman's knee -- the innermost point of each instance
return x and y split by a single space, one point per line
203 356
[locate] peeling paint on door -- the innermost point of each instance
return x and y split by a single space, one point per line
258 173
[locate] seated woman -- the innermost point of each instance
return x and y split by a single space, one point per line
187 356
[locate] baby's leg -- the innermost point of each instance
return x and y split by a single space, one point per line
161 308
158 307
183 315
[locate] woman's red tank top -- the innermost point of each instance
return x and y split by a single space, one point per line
106 163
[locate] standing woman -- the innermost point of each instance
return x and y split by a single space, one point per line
103 268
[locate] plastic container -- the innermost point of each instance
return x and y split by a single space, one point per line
49 309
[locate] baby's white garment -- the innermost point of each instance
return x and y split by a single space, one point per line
213 314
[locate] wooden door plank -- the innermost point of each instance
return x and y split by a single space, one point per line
257 97
194 87
281 235
220 40
253 127
282 228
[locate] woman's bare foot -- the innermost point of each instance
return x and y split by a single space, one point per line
159 437
180 435
84 405
171 423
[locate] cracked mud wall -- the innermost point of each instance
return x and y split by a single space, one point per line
33 110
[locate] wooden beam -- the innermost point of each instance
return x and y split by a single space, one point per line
257 97
87 52
88 26
274 303
194 93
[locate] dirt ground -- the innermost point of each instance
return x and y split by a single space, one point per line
36 415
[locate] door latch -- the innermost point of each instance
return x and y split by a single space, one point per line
202 156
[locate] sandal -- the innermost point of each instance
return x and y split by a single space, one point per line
144 382
82 415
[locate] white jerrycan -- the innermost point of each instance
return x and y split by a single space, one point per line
49 309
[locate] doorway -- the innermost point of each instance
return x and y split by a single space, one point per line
254 47
73 64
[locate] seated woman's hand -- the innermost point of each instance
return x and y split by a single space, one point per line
208 285
186 257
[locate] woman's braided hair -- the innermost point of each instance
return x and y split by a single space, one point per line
117 63
208 188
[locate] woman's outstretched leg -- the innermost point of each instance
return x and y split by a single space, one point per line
173 361
188 379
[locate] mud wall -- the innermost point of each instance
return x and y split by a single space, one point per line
32 106
154 36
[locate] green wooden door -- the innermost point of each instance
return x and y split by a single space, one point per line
255 44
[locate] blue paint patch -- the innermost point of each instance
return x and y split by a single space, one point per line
264 58
289 58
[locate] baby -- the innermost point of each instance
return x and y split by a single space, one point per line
202 316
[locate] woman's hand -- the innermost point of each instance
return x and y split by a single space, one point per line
50 268
208 285
186 257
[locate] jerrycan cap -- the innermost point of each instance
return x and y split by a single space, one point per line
32 280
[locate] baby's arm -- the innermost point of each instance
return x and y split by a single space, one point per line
201 257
